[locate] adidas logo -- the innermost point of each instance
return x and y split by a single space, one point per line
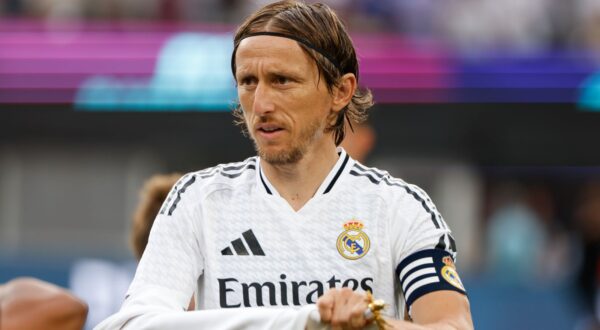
240 248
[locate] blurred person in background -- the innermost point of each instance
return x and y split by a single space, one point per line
587 218
11 8
476 26
300 212
586 32
359 140
527 244
103 284
28 303
516 238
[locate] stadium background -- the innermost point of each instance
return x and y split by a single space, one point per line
490 106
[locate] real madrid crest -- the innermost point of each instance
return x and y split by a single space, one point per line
353 243
449 273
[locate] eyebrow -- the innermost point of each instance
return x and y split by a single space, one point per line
270 73
292 75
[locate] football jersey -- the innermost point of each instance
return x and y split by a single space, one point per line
226 233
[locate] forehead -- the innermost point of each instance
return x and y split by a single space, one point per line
271 50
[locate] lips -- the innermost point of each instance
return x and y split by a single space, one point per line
268 128
269 131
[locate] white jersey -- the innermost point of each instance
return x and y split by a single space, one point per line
227 230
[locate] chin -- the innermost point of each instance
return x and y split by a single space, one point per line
281 157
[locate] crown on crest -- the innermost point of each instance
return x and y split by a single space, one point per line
353 225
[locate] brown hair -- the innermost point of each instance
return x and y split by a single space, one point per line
152 196
319 26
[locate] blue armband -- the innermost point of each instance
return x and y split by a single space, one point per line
427 271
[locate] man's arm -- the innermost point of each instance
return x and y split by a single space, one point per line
425 254
27 303
438 310
154 309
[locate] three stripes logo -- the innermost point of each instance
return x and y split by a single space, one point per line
240 248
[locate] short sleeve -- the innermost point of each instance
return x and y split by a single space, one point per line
172 260
423 247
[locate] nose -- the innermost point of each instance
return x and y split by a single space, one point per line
263 100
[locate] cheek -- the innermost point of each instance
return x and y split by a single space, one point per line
246 104
245 99
321 104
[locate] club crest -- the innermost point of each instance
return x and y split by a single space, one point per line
451 276
353 243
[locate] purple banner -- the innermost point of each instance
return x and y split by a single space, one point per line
49 63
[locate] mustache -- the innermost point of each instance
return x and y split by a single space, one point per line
267 119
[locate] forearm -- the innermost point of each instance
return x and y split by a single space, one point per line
159 308
217 319
246 318
447 324
441 310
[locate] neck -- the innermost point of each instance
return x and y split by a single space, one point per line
297 183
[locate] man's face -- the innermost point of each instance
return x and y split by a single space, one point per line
286 106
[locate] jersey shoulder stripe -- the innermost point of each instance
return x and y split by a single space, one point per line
377 177
230 171
174 196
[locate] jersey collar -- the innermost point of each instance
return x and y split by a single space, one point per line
344 162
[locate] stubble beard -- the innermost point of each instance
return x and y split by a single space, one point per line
296 151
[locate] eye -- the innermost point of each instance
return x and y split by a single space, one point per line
281 80
247 81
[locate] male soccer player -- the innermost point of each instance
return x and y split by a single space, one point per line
302 227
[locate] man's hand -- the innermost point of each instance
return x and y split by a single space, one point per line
343 309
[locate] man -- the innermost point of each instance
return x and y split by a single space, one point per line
302 223
28 303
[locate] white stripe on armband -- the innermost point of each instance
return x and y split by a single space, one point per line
416 263
423 282
406 283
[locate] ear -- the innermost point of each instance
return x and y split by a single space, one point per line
343 92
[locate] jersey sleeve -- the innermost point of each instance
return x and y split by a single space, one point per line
423 247
166 275
173 259
257 318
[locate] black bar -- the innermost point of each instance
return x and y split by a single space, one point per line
253 243
226 251
239 247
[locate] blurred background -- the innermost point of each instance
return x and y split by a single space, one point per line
493 107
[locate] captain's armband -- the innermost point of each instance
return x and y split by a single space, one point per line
427 271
